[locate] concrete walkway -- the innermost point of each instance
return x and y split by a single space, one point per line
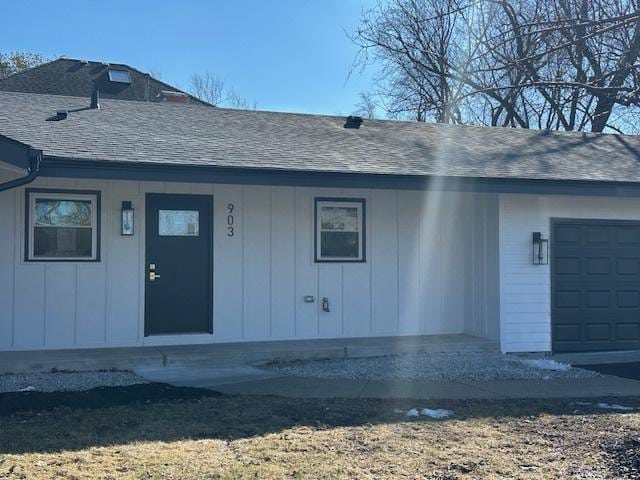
253 381
595 358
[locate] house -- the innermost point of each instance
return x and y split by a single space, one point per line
157 223
79 78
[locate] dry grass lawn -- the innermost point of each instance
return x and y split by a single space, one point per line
269 437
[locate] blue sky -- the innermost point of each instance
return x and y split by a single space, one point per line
288 55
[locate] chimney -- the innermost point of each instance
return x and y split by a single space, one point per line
173 97
95 99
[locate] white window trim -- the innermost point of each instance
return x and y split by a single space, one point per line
359 204
44 195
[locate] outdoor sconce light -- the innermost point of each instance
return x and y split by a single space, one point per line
127 219
540 249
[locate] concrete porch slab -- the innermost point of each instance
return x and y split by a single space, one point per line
126 358
234 354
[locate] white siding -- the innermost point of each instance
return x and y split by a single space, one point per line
525 289
481 269
424 273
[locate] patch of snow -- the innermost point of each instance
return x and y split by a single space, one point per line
429 412
614 406
28 389
437 413
545 364
608 406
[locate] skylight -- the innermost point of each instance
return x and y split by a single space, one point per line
121 76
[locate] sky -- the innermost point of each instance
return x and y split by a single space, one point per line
286 55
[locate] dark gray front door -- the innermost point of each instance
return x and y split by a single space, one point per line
595 281
178 293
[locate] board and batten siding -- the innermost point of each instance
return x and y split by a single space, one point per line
431 268
525 289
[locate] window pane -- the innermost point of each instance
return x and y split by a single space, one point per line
121 76
339 245
62 242
339 218
182 223
63 213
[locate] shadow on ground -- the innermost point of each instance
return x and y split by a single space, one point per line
49 422
629 370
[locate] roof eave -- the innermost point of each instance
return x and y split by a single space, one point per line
14 153
147 171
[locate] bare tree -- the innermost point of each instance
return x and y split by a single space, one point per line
366 107
236 101
213 90
207 87
16 62
553 64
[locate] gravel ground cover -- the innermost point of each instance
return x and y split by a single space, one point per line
433 366
66 381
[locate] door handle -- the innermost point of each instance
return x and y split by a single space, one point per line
153 276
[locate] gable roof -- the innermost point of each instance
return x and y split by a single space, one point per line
154 134
77 78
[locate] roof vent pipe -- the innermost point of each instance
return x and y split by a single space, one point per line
353 122
95 99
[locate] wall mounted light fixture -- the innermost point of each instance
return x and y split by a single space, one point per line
127 218
540 249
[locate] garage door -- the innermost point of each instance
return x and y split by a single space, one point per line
595 278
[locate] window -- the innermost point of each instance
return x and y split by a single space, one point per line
340 232
179 223
120 76
62 225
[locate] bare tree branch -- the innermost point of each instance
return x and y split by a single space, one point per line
563 64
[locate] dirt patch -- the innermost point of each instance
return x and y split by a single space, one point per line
101 397
230 437
624 457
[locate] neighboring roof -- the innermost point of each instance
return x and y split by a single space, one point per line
76 78
174 134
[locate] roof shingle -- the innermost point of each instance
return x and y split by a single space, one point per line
76 78
172 134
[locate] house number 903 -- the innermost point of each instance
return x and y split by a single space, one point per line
230 230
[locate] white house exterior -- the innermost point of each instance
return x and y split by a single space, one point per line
262 273
448 250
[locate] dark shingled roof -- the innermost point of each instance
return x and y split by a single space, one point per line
172 134
76 78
